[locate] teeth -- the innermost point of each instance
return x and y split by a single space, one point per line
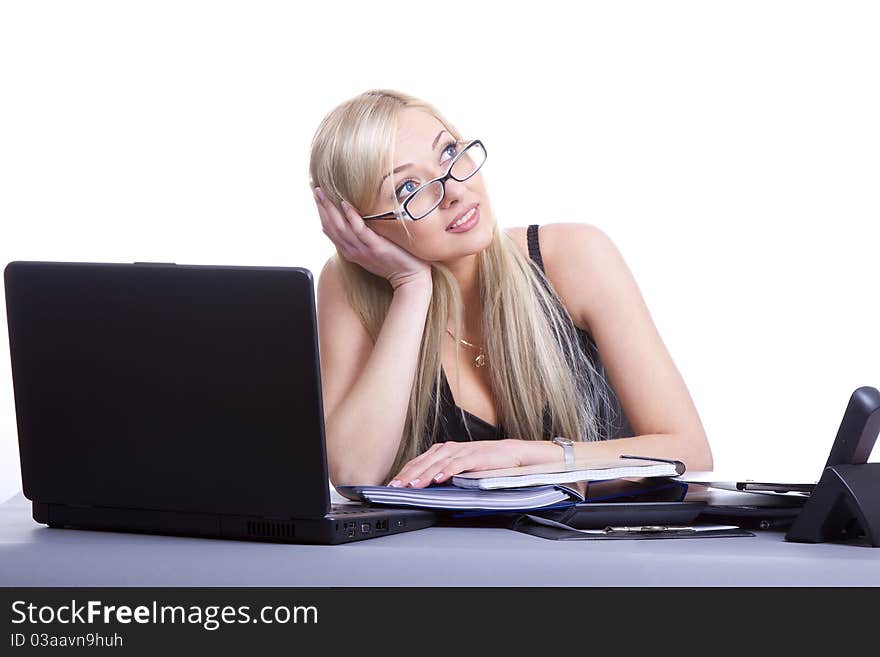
464 218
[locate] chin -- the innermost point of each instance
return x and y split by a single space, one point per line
479 238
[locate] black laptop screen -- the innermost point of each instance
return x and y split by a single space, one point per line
168 387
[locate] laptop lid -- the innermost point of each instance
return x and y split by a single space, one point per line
162 386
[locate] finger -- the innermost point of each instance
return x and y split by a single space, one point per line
412 474
441 468
343 231
358 227
432 453
445 470
407 473
477 455
432 473
334 227
328 218
443 476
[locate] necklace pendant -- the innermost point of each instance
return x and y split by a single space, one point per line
480 360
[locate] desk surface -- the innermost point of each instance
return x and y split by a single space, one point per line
32 554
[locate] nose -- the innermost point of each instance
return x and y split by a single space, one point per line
454 193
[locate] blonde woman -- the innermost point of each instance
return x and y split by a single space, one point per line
425 284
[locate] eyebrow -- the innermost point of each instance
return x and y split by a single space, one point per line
409 164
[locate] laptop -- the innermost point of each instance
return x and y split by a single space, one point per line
177 399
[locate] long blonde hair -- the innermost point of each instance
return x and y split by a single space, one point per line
537 362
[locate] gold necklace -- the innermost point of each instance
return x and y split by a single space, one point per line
481 359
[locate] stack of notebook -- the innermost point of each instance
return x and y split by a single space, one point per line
545 486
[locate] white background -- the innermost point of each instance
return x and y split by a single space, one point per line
729 149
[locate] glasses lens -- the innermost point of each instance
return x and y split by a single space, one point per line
424 199
469 162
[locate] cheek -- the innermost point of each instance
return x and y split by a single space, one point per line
431 243
419 246
477 186
384 229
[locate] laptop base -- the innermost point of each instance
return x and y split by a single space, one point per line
351 523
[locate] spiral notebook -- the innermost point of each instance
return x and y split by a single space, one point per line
558 473
474 501
452 498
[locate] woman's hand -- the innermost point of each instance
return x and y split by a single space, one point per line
442 460
362 245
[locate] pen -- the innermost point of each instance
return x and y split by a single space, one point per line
648 529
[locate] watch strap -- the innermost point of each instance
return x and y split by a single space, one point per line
567 450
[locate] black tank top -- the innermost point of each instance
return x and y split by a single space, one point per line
452 426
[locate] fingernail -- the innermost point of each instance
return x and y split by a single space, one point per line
414 482
320 194
395 483
438 476
344 204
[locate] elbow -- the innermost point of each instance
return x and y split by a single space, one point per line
700 464
347 476
348 471
350 467
700 456
355 481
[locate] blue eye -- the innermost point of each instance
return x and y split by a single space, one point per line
454 146
412 186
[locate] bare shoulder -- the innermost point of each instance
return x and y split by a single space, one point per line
572 254
344 343
552 237
330 271
518 235
333 303
330 287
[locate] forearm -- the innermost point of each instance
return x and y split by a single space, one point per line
365 429
693 451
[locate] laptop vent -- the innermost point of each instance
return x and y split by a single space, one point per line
269 529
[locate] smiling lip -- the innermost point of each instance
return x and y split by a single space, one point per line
466 210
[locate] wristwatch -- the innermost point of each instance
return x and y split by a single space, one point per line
567 449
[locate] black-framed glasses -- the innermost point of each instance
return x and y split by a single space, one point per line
426 197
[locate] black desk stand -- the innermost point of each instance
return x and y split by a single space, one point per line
845 504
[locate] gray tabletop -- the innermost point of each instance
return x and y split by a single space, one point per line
32 554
